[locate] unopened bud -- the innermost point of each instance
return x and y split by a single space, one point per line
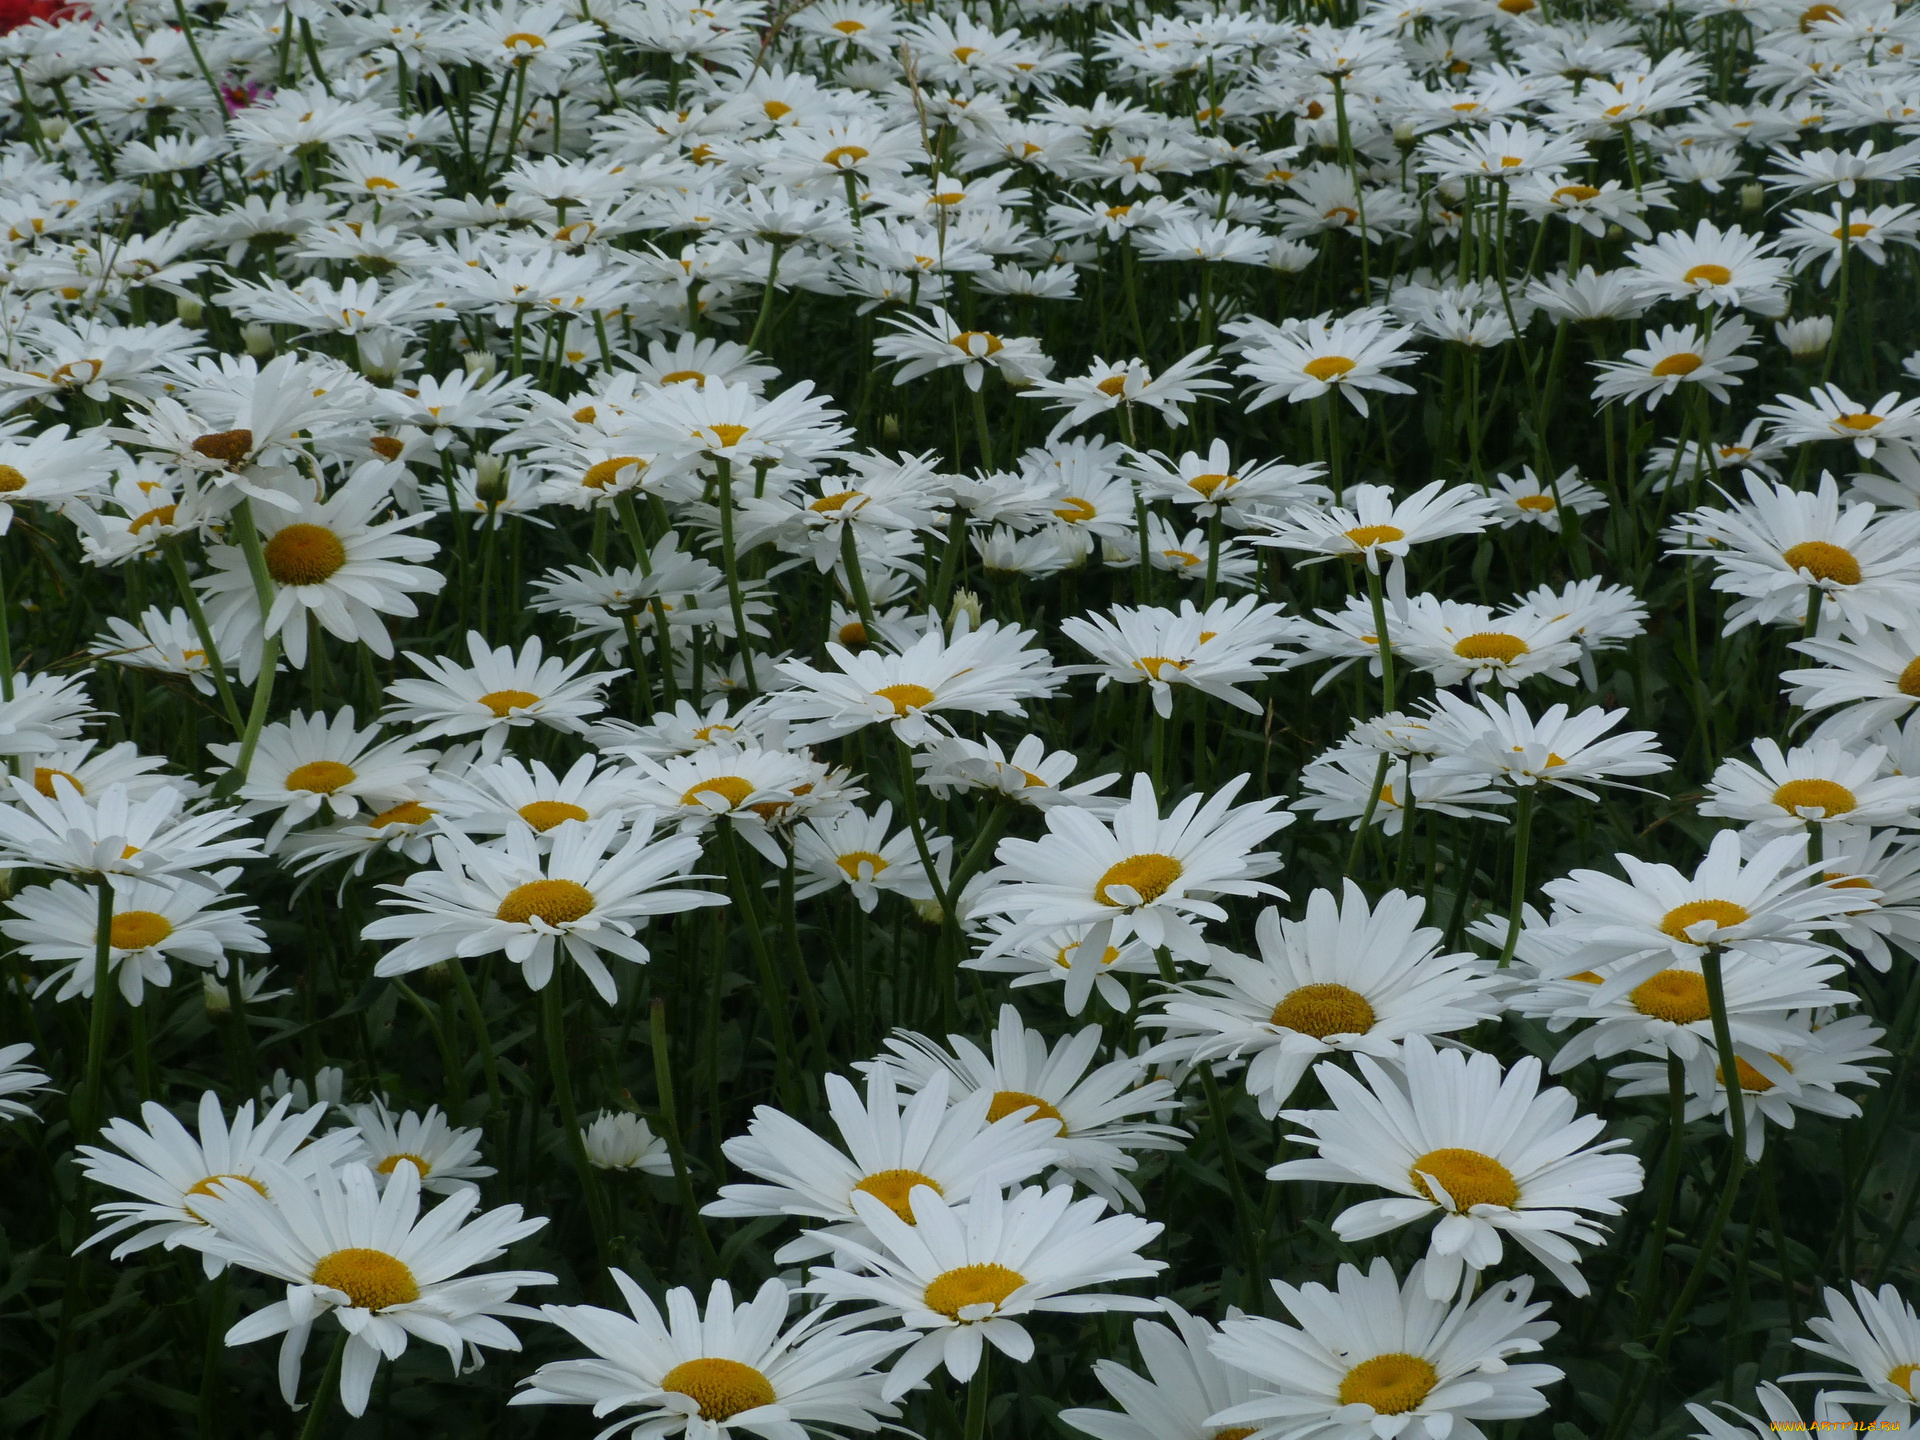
382 353
258 339
1405 134
1806 339
890 427
189 309
930 912
966 607
1752 196
479 364
490 479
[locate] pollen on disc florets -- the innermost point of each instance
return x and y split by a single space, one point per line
894 1189
370 1279
1009 1102
1149 876
1677 996
304 554
954 1290
1469 1178
1323 1010
557 902
1723 913
723 1388
1391 1384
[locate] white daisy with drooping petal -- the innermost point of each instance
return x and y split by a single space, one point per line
446 1155
588 895
966 1275
1490 1154
171 1170
114 832
367 1256
1136 871
1370 522
1376 1358
1185 1384
1819 784
1876 1335
499 691
17 1077
309 763
1349 977
735 1367
892 1143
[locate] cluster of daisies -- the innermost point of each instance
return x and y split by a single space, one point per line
554 525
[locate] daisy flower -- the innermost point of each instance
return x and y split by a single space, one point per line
1346 783
1486 1152
939 342
890 1147
1088 1110
1139 872
1347 977
172 1172
45 712
508 794
584 896
1712 267
1678 355
854 849
1772 548
1876 1335
1497 739
1305 359
982 671
114 832
154 923
1658 915
1212 484
367 1256
1031 775
1374 1356
52 468
966 1275
616 1140
1526 499
737 1367
1063 957
1823 783
1185 1384
1873 670
1458 643
310 763
1214 651
499 691
334 559
1804 1072
17 1078
751 788
444 1154
1829 413
1370 523
1887 861
1110 384
1782 1416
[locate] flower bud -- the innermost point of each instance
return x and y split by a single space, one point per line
966 606
1806 339
479 364
190 309
490 479
617 1141
1752 196
258 339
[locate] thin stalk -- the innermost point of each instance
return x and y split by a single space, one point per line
724 467
1517 896
177 566
670 1126
553 1002
87 1121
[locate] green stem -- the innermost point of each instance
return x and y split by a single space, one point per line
1517 896
477 1022
322 1403
670 1126
553 1003
979 1392
177 566
91 1112
732 563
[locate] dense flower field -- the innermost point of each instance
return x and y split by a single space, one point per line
1191 720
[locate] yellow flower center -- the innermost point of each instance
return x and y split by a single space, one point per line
1576 193
1901 1375
504 702
320 777
1909 682
386 1166
1323 1010
407 812
1113 386
371 1279
1328 367
777 109
138 929
729 434
1540 504
723 1388
1365 536
1678 996
1207 484
11 480
854 859
43 778
848 27
988 343
1751 1080
1009 1102
844 157
681 377
1812 16
1721 912
605 472
1074 510
1468 1177
731 788
229 447
1824 561
304 555
1394 1384
827 504
543 815
556 902
159 515
893 1188
1685 363
521 37
905 697
205 1187
1154 664
989 1284
1148 876
1708 275
1859 420
1829 798
1491 645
